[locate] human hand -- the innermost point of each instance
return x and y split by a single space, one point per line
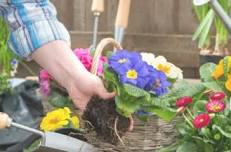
61 63
82 91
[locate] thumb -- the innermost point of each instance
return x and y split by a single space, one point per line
104 94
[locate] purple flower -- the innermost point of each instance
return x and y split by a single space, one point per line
158 83
136 74
123 59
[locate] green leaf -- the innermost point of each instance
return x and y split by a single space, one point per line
108 54
199 106
34 146
206 71
135 91
187 89
171 148
214 85
187 147
203 29
183 129
165 114
206 28
126 107
223 132
59 101
204 146
110 75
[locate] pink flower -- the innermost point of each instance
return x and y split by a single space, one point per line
44 75
183 101
217 96
84 56
45 87
215 106
201 121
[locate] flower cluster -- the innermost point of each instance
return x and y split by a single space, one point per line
223 71
59 118
214 105
132 69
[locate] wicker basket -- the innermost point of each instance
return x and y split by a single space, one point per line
148 136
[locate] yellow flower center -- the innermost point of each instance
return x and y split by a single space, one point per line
164 68
215 107
123 60
132 74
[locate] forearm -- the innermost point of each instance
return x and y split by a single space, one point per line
57 58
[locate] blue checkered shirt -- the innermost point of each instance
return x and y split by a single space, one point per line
32 24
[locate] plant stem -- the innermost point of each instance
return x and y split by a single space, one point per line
187 120
189 112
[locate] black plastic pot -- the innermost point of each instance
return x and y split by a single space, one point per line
209 58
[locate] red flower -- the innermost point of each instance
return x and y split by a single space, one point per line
183 101
217 96
201 121
215 106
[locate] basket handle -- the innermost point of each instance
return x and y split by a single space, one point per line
98 52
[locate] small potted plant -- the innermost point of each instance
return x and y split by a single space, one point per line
209 51
140 80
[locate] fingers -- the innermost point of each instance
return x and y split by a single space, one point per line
101 91
104 94
80 100
107 95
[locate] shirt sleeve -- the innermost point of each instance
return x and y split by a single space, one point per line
32 24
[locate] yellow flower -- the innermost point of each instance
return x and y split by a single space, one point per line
228 83
56 119
219 70
75 121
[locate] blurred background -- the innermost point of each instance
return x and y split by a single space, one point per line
164 27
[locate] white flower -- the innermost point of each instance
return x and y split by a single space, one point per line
148 57
161 63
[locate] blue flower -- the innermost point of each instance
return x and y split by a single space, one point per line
137 74
158 83
123 59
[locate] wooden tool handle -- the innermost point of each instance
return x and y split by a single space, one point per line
5 121
123 13
97 6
